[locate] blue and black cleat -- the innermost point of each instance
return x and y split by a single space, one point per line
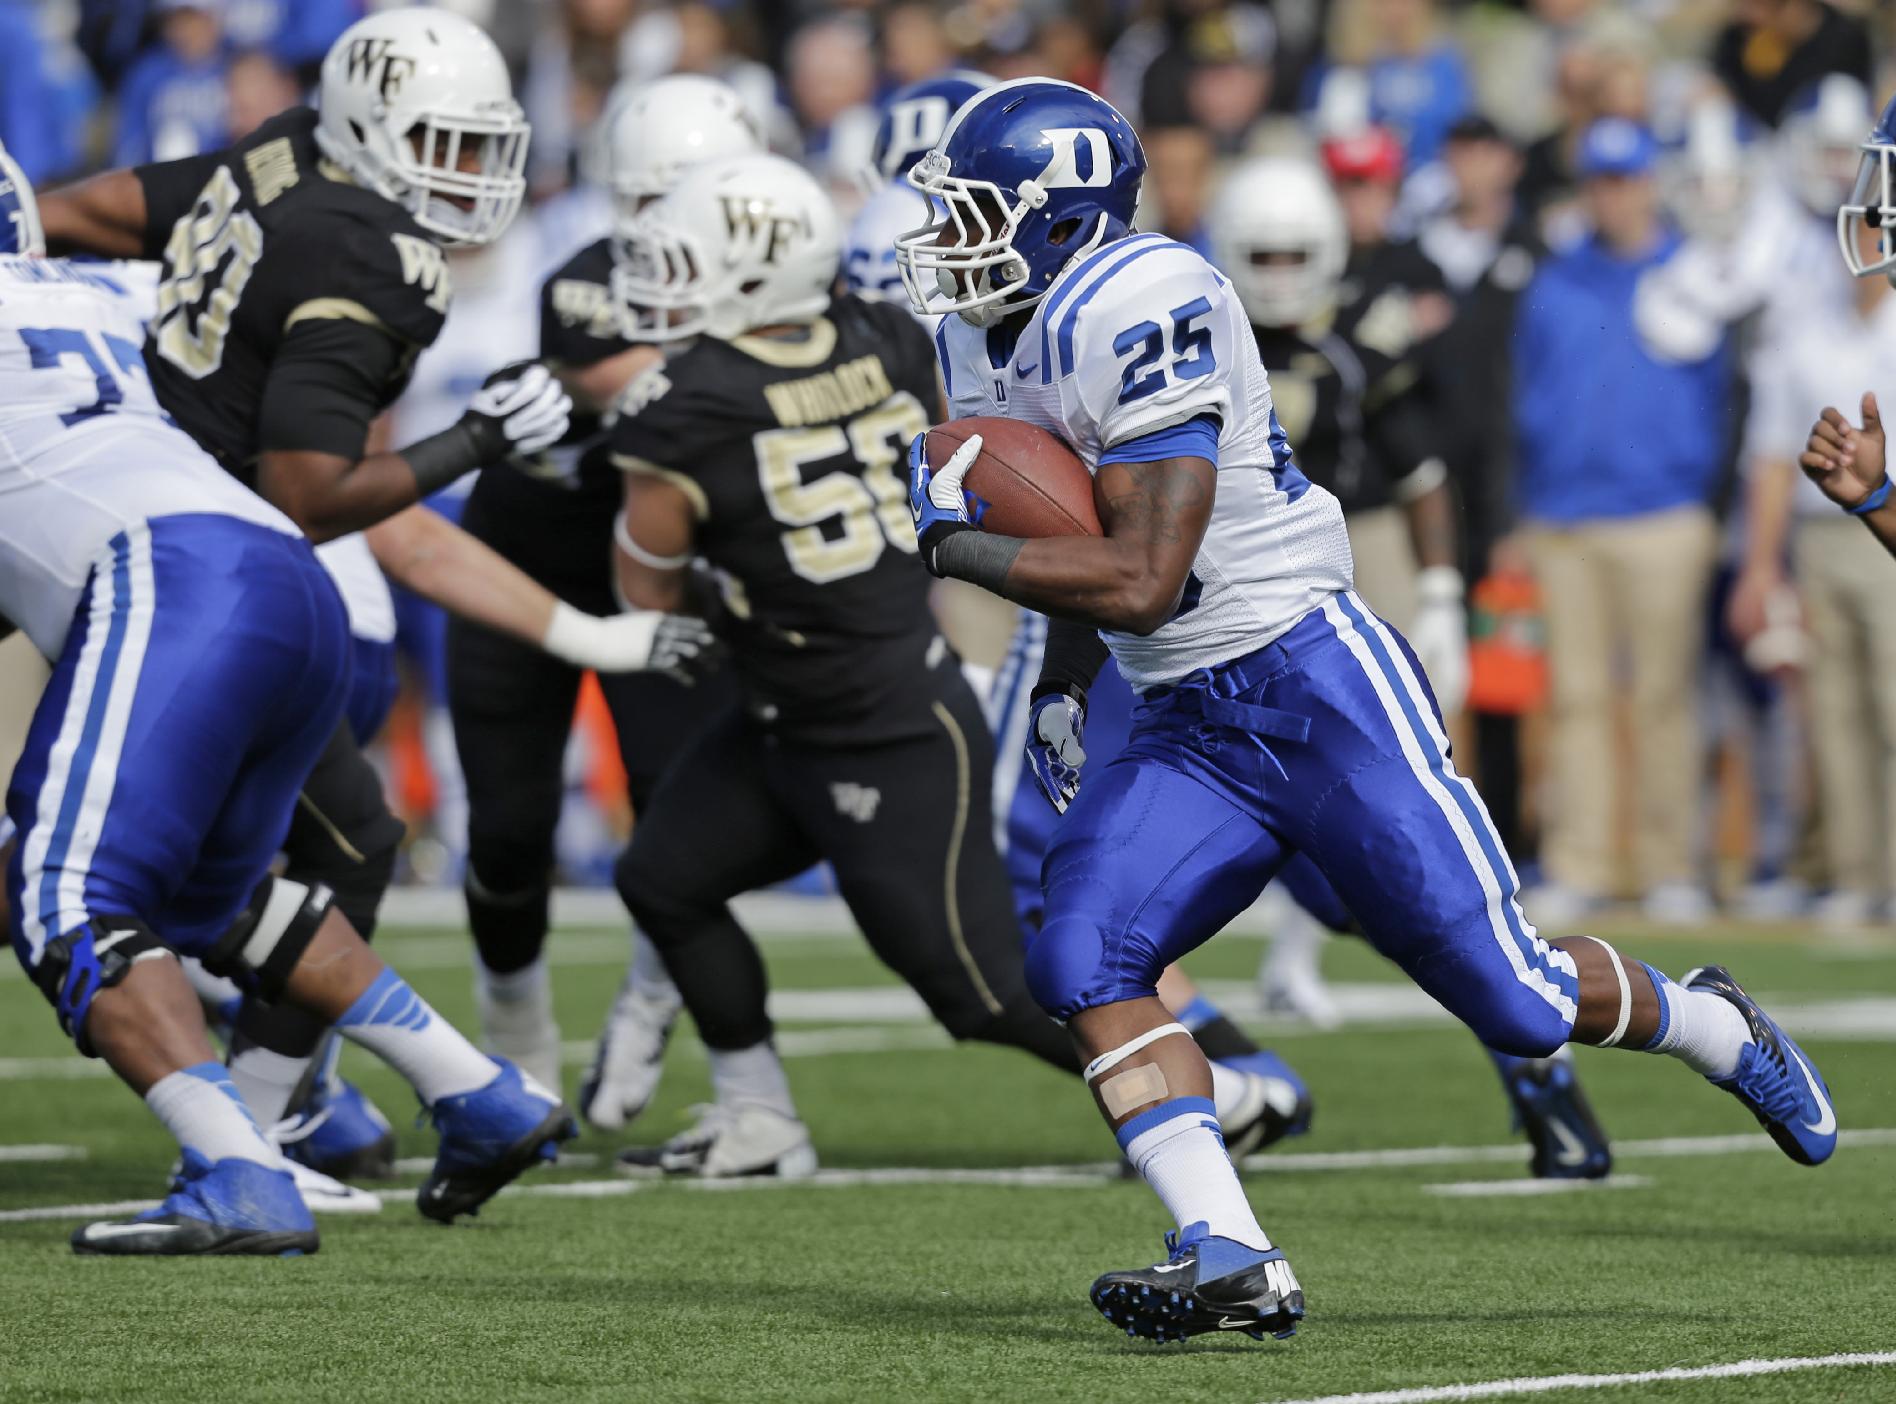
489 1138
1774 1078
1279 1106
1208 1286
1550 1107
340 1133
225 1208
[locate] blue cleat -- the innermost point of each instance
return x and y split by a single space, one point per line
1280 1105
232 1207
340 1133
1209 1285
1774 1078
489 1137
1550 1107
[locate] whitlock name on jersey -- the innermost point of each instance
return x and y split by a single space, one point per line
85 450
1141 336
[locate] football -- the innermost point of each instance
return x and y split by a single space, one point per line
1026 482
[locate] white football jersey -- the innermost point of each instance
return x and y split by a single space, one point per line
869 247
1144 335
85 450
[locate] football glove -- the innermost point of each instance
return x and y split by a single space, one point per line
519 410
1439 635
641 640
1054 727
937 500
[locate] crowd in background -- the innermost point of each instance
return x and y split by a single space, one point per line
1603 231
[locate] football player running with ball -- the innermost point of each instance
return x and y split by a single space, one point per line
1278 715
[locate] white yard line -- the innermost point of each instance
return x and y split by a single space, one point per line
37 1154
1547 1384
1528 1189
1664 1147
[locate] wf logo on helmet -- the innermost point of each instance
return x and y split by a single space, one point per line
367 55
753 221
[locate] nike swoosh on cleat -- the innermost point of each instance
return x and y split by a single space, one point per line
1225 1323
100 1231
1171 1267
1826 1123
1571 1151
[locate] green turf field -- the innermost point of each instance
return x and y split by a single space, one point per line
1715 1251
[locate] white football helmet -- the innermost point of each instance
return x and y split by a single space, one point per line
1819 142
739 244
656 131
405 95
1277 231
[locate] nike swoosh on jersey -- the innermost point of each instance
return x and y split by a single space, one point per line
1826 1123
1022 372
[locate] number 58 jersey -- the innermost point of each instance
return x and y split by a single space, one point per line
1131 342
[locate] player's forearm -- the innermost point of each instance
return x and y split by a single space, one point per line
1768 515
1882 525
428 554
328 496
1431 516
103 215
1099 581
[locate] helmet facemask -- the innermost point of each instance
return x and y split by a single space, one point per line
463 207
1872 205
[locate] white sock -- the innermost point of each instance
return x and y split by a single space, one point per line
1229 1090
649 974
1701 1030
396 1024
1179 1149
751 1075
515 986
199 1105
267 1080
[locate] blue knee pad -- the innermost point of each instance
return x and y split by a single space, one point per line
1068 970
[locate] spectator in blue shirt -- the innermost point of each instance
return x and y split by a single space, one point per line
29 115
174 101
1619 454
1415 82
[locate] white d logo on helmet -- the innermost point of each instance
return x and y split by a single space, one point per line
1068 170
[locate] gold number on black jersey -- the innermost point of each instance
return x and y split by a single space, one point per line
214 247
871 506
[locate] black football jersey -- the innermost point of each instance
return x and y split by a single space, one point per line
1377 296
545 526
261 240
1351 413
794 457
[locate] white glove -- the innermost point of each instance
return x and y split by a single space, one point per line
1440 635
527 405
643 640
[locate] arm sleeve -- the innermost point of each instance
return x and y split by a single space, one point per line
1152 346
171 189
328 381
1071 660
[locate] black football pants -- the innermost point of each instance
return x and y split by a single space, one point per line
908 828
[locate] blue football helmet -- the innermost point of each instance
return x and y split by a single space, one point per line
19 212
1872 204
913 120
1029 176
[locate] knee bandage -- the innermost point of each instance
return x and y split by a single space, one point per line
1625 995
1135 1087
269 938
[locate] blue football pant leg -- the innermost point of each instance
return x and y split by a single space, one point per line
1147 866
1412 844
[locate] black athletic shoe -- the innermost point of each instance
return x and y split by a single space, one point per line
1550 1107
1209 1285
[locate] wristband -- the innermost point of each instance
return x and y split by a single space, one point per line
976 557
1873 501
441 458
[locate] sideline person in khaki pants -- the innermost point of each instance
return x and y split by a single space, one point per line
1618 454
